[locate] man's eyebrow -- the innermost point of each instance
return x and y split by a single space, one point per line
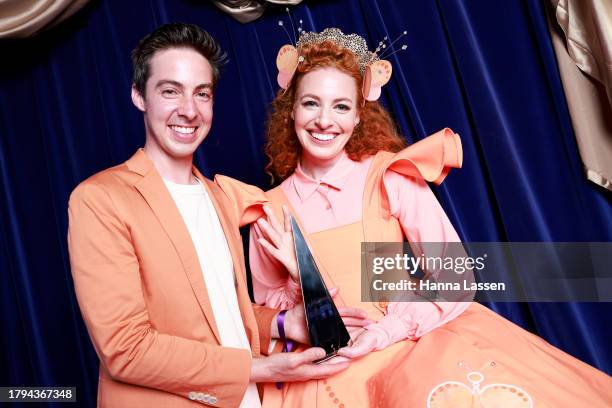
163 82
177 84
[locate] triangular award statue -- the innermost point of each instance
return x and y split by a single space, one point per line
325 326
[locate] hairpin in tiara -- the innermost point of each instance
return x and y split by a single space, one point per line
376 71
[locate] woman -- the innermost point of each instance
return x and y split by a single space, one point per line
347 178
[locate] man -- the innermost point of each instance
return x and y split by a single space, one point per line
157 260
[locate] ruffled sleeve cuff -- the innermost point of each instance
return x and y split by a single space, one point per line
389 330
283 297
294 291
431 158
412 320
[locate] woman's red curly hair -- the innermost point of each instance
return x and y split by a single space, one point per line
375 132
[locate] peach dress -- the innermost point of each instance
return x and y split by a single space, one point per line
439 355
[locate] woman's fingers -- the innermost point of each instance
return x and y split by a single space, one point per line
270 249
258 232
353 312
356 322
270 233
273 220
354 332
287 217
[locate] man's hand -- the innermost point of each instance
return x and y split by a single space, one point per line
291 367
277 240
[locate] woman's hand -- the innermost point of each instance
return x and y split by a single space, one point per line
277 240
362 345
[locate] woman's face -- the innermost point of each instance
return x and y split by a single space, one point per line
325 113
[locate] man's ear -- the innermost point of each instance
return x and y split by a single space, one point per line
137 99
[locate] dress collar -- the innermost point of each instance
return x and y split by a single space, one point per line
336 177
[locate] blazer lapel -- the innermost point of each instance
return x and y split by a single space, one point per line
154 191
234 242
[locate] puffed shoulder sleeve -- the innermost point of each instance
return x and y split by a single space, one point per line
430 159
247 200
422 219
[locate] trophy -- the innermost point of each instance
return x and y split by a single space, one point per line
325 326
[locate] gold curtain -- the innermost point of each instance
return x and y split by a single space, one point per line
25 18
246 11
581 32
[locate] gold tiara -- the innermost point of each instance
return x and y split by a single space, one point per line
352 42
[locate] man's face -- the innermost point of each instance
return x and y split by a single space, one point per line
178 103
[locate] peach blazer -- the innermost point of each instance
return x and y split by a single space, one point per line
143 297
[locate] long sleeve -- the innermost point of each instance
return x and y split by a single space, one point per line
422 220
107 275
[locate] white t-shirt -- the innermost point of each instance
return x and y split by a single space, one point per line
207 235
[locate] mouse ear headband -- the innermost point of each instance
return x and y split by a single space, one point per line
376 72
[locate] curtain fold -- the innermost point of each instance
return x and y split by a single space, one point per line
581 31
246 11
25 18
587 25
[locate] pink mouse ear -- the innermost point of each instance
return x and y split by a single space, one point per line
284 79
376 75
286 62
367 83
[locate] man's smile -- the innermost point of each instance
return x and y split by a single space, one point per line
185 130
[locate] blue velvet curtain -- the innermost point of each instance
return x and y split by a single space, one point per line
484 68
